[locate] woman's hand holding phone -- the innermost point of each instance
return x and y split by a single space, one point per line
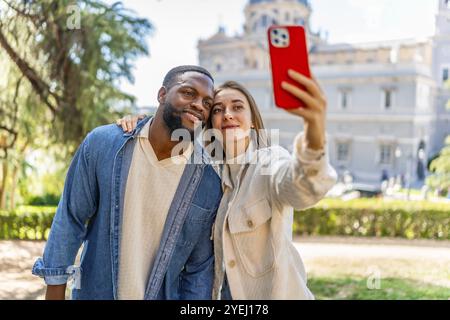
314 112
295 89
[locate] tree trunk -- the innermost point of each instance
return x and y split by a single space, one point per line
3 185
12 197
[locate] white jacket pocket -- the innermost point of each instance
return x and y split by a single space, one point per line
252 237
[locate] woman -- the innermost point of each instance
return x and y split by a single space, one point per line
255 256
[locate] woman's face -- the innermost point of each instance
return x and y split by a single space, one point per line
231 114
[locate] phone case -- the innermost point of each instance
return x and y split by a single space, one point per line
288 50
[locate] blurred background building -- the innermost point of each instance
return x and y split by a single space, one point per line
387 100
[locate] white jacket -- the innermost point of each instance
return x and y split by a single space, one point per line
253 229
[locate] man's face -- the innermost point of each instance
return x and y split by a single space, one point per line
188 102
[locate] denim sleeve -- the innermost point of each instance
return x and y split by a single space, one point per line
198 274
77 205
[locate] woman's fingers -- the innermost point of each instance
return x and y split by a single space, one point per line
313 78
123 124
299 93
129 123
304 113
310 85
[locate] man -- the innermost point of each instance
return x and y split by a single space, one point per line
143 212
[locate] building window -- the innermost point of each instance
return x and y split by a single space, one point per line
386 154
264 21
343 151
218 67
344 99
300 21
445 74
387 98
287 16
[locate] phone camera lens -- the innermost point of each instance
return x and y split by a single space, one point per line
275 31
283 36
276 41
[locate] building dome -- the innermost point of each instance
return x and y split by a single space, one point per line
261 14
305 2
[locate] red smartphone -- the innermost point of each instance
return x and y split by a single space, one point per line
288 50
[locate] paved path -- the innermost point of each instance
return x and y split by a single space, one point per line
16 260
428 261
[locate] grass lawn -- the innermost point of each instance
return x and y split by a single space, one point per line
374 268
389 289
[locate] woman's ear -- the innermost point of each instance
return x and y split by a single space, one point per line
162 95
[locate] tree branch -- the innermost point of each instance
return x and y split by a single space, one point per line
16 105
41 88
21 12
9 130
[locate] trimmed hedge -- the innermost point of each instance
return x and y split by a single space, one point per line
359 217
26 223
375 218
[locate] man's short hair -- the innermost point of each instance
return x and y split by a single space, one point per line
173 74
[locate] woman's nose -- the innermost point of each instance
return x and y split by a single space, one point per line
227 115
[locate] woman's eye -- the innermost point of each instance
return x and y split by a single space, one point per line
238 107
217 110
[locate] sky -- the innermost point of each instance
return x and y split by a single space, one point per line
179 24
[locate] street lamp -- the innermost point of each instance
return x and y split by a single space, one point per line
398 154
409 161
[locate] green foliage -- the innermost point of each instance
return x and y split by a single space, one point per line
440 168
74 54
375 217
26 223
62 63
47 199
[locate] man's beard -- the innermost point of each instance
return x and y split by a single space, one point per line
173 121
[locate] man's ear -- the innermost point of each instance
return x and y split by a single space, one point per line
162 95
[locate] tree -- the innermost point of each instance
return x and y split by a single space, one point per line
61 66
440 168
74 55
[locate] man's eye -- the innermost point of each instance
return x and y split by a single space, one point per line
207 104
188 93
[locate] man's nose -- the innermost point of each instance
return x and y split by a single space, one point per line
198 104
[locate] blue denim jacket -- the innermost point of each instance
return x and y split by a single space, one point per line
90 212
